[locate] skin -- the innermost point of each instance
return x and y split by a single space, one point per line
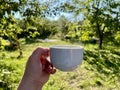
37 71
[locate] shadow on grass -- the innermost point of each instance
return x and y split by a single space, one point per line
105 62
30 40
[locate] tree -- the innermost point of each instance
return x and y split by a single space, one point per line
35 13
62 26
8 24
102 20
10 29
102 14
29 9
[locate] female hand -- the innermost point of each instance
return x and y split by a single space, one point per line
37 70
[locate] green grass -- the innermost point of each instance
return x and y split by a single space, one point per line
99 70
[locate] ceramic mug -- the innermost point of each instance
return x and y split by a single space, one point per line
66 57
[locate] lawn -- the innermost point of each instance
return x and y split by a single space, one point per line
100 69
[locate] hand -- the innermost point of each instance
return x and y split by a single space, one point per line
37 71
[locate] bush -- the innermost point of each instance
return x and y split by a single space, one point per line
10 74
3 43
117 38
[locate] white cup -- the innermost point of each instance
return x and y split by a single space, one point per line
66 57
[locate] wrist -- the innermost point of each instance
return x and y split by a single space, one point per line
29 84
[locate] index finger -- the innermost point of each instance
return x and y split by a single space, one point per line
41 51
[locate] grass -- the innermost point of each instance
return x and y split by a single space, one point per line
99 70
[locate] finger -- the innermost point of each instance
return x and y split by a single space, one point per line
40 51
52 71
47 52
44 56
43 59
48 67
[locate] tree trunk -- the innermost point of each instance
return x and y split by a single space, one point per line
19 48
100 35
100 42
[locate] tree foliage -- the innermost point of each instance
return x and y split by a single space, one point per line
8 24
103 15
102 20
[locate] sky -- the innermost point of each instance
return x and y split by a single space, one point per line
69 16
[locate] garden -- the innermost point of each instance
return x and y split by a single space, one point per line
97 30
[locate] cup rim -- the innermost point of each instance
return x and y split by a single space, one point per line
66 47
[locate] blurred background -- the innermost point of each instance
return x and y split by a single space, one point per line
94 24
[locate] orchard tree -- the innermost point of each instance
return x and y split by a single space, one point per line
8 24
104 16
62 26
29 10
35 13
10 29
